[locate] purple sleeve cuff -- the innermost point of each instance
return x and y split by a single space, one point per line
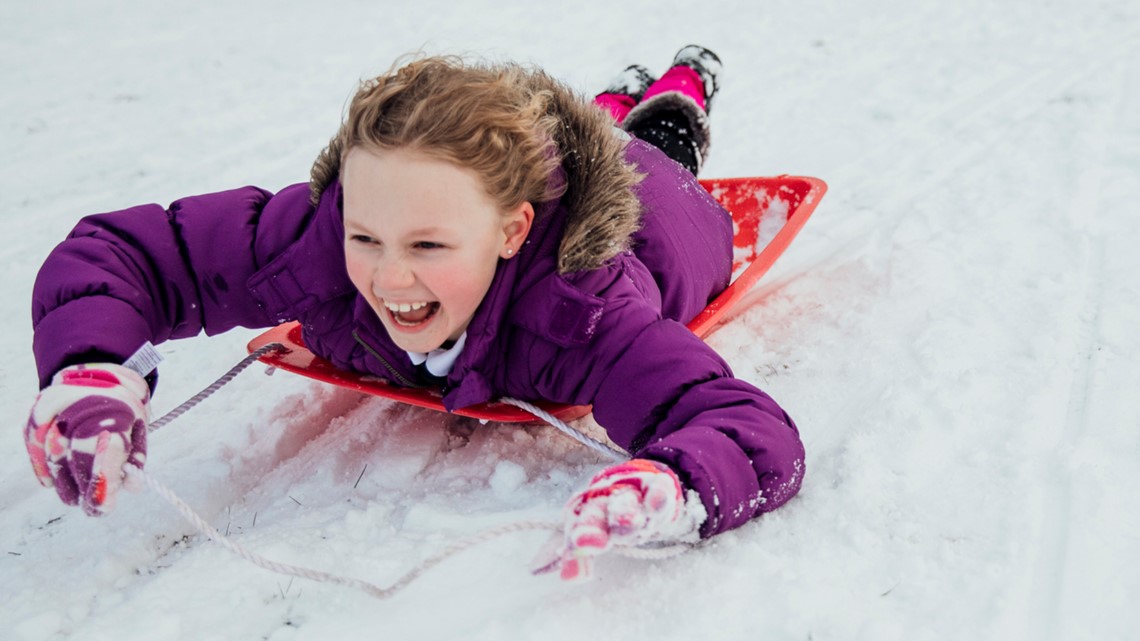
708 461
60 338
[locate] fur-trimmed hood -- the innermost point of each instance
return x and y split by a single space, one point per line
603 212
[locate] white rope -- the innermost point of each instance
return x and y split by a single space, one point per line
139 476
213 387
654 553
324 577
606 449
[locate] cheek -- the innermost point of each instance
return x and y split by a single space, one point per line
359 271
476 279
460 281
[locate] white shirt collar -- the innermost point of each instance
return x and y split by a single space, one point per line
440 361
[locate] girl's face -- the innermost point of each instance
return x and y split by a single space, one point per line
422 242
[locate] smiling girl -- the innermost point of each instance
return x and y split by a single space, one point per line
423 241
475 227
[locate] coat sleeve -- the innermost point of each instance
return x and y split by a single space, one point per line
663 394
150 273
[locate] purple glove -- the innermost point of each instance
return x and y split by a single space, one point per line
84 428
627 505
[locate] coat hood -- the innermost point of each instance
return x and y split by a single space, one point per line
602 210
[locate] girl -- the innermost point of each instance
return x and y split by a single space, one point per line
473 227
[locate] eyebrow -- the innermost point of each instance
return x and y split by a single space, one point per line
421 231
426 231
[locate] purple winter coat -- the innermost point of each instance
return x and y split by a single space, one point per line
612 337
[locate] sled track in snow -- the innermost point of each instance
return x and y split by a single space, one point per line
1056 471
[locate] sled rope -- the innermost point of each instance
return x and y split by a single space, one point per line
325 577
142 477
609 451
215 386
371 588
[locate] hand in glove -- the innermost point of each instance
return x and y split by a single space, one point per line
84 428
627 505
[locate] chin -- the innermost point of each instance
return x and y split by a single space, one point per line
416 344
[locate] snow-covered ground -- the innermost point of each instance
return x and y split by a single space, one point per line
955 331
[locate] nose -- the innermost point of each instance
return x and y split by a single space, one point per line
392 274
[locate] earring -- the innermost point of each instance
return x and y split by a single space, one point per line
510 252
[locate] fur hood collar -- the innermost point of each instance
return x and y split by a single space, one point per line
602 209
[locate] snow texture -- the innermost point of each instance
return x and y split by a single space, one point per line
955 330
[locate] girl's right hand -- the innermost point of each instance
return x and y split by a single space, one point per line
84 429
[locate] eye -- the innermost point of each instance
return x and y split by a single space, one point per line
427 244
361 238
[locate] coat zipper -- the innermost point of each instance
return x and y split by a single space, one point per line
383 361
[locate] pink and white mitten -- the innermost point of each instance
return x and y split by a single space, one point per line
628 505
84 429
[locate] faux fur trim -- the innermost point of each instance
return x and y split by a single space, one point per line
603 210
675 101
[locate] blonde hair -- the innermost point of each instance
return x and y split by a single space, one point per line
514 126
495 120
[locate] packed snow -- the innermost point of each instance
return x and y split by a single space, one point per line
954 331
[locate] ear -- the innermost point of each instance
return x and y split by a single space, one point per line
516 226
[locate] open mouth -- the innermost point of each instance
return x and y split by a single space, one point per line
411 315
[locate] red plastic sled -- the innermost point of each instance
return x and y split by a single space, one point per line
767 214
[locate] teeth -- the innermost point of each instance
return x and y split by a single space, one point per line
404 307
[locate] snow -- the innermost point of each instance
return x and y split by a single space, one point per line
954 331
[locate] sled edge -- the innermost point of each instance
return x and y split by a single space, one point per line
812 191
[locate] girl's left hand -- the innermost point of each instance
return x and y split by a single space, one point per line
627 505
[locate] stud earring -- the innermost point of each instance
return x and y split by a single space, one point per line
510 252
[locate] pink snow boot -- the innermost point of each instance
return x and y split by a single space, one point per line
694 74
683 94
625 91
